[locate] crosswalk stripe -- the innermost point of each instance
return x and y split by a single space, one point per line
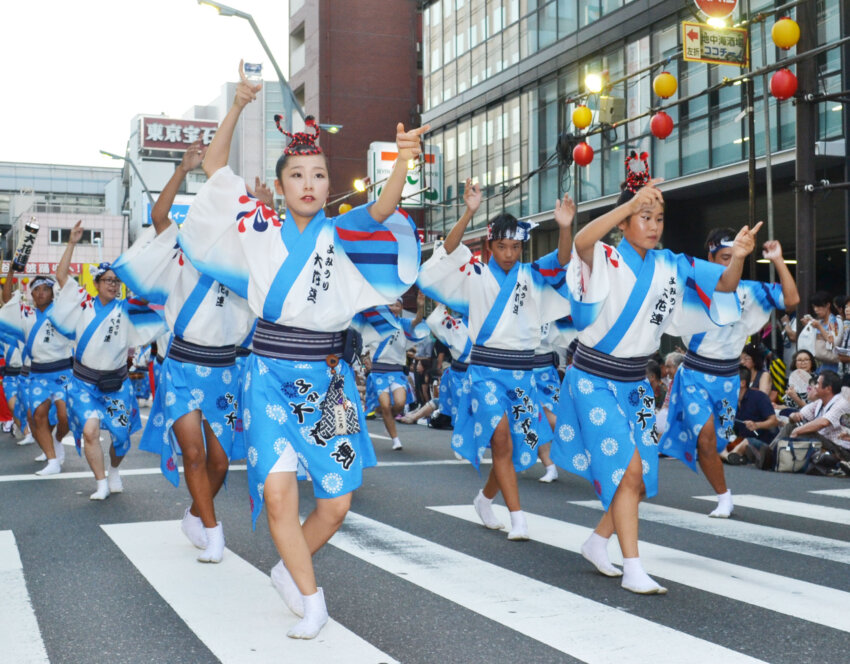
751 533
231 607
789 507
782 594
839 493
19 634
560 619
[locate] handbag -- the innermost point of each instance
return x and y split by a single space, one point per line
794 456
825 352
806 338
110 382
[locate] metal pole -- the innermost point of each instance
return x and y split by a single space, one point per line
845 67
751 133
768 175
805 157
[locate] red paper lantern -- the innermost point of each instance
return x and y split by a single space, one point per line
783 84
582 154
661 125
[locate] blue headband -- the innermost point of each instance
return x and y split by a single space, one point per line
725 243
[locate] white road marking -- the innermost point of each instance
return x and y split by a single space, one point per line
560 619
19 633
231 607
751 533
789 507
801 599
839 493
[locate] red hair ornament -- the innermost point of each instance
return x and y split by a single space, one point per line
301 142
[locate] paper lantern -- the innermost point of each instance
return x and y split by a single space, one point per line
665 85
344 207
25 280
661 125
785 33
783 84
582 154
582 117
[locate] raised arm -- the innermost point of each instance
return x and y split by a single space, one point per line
565 212
192 158
409 147
219 149
597 229
745 242
65 261
7 285
420 309
790 294
472 198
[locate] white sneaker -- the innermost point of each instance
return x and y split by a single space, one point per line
287 589
8 426
102 492
315 617
53 467
193 529
41 457
550 475
27 440
113 478
215 545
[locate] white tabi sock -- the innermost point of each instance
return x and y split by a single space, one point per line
724 506
484 509
102 492
114 479
637 580
595 551
215 545
396 443
287 589
315 617
53 467
519 527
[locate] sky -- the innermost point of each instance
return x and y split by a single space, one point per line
75 72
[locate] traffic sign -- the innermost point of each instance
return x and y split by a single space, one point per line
716 8
718 46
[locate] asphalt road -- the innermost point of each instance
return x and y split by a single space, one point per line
411 578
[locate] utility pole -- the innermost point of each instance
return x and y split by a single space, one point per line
805 156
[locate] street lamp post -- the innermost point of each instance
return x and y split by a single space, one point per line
289 100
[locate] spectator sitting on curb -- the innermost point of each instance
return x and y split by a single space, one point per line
755 421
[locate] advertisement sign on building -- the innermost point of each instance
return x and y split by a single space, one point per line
717 46
382 156
171 134
178 212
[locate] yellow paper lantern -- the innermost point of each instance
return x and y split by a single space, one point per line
582 117
344 207
665 85
785 33
25 280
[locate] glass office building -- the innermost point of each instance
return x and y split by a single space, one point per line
498 77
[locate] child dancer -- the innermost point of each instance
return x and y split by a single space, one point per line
704 393
506 302
99 392
196 405
305 277
388 336
623 299
453 332
50 365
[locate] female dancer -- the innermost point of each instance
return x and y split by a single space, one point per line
99 392
300 399
623 299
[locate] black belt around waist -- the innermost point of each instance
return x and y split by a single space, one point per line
25 371
12 371
48 367
624 369
207 356
545 360
384 367
282 342
459 366
241 351
712 366
502 359
94 376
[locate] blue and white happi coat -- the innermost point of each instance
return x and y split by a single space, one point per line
12 382
621 307
387 337
103 335
555 338
696 395
316 279
504 311
44 344
453 332
201 311
141 383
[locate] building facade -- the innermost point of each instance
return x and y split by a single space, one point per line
499 77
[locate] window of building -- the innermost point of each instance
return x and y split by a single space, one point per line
61 236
